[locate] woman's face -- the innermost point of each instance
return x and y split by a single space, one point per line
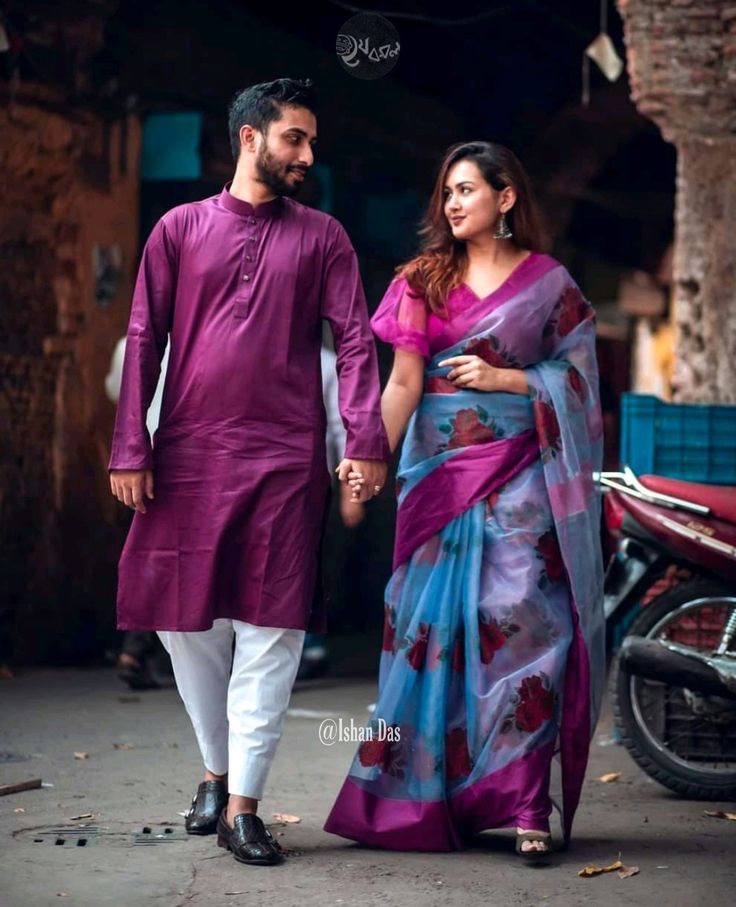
472 205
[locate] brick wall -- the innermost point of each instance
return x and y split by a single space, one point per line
67 181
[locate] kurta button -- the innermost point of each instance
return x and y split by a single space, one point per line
246 277
249 258
252 220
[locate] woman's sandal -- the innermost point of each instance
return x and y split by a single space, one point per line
534 854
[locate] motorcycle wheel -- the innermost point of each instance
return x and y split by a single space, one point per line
687 744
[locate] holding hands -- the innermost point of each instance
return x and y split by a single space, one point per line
366 478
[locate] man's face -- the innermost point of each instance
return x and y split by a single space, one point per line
285 153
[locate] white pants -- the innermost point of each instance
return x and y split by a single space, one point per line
236 700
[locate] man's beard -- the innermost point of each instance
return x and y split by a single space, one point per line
272 174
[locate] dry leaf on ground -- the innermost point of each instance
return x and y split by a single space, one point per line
81 755
719 814
609 777
285 817
628 871
588 871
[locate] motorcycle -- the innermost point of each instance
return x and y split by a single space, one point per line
673 679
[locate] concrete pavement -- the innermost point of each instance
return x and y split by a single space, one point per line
136 792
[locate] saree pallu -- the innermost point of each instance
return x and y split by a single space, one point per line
492 657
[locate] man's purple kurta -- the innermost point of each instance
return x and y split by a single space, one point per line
240 479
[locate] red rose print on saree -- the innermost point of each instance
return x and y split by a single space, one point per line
375 753
573 308
385 753
389 631
417 654
548 549
468 429
457 757
548 429
577 384
536 704
438 385
492 638
491 351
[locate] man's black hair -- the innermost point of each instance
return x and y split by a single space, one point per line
260 105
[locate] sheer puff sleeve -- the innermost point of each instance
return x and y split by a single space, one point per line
401 319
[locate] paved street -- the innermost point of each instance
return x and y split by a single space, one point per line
47 716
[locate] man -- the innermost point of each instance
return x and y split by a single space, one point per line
230 501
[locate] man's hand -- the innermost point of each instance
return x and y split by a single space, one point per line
365 477
132 486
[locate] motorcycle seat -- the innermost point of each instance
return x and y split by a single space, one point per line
721 499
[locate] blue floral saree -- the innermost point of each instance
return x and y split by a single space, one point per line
493 659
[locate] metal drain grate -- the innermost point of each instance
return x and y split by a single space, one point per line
68 837
165 835
85 836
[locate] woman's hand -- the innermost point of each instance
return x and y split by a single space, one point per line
476 374
352 512
473 372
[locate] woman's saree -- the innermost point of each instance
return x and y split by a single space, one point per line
493 649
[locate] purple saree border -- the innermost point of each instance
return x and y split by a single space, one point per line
499 800
455 486
575 724
532 269
495 801
392 824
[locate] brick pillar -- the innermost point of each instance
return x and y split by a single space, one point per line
681 57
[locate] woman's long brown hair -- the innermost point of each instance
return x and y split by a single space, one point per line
440 264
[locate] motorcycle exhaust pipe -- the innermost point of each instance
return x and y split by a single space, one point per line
652 660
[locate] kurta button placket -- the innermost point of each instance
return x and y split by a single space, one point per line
243 300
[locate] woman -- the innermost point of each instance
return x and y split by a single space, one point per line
493 655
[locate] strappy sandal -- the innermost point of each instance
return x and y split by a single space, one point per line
534 855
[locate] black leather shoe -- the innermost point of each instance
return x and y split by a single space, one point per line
207 804
249 840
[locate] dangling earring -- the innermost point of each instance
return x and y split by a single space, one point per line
503 231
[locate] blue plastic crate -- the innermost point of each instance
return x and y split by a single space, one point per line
688 441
